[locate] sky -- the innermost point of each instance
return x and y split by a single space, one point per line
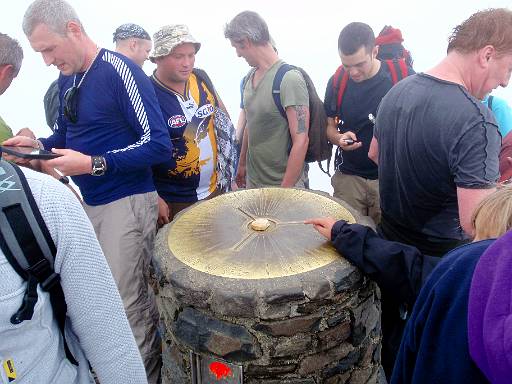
305 32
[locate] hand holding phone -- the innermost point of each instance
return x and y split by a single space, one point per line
348 141
28 152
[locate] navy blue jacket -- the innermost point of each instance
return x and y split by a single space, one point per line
434 346
397 268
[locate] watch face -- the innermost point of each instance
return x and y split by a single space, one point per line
98 166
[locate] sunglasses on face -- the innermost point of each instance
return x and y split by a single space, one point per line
71 104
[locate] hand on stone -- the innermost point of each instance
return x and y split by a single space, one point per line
323 225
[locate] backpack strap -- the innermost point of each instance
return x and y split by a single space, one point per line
203 76
28 246
397 69
276 86
489 101
339 84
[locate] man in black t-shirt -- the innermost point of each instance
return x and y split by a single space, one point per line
437 146
355 178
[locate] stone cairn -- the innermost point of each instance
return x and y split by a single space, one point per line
320 326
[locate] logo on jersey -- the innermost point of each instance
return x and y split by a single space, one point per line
177 121
204 111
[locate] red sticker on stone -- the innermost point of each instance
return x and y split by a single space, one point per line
220 370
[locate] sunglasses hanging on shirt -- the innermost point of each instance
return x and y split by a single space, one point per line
70 99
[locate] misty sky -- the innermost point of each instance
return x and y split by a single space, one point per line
306 34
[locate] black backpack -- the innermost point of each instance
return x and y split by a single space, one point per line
28 246
319 147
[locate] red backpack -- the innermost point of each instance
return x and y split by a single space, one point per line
391 52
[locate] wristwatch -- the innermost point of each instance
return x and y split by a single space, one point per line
99 166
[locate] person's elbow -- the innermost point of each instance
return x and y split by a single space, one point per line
373 157
468 200
300 144
160 148
373 152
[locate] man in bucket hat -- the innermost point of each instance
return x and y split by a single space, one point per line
188 102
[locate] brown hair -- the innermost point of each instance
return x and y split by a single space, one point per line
493 216
488 27
354 36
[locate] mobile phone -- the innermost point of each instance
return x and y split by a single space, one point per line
349 141
29 152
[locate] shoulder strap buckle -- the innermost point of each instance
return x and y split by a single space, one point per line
26 309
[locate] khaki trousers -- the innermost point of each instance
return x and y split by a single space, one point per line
126 231
362 194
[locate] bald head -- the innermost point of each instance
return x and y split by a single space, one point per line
134 42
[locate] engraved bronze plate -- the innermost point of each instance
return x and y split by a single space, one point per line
255 233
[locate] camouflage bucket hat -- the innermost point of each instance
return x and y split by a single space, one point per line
169 37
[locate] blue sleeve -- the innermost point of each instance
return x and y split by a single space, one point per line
503 115
395 267
139 105
58 138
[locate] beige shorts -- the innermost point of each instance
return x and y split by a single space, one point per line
362 194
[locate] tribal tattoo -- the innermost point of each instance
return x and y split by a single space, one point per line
300 110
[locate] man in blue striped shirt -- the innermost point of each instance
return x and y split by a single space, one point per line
110 131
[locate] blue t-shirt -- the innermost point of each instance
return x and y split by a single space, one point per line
502 113
118 118
359 100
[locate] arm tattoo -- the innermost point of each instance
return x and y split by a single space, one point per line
300 110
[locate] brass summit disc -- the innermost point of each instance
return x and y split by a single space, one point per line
255 233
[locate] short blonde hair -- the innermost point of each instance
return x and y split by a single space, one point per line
493 216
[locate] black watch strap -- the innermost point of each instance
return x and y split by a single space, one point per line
99 166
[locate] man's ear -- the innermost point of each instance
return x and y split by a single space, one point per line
375 51
245 43
6 71
7 74
133 45
486 54
74 29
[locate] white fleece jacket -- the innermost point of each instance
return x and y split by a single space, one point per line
96 327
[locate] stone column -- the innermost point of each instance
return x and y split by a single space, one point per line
319 325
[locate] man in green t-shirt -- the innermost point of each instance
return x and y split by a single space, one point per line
11 56
5 130
273 148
